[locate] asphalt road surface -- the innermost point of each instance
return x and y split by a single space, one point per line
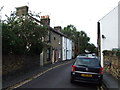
58 77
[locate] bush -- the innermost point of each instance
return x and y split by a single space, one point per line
115 52
22 35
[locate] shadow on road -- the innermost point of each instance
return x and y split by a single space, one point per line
88 85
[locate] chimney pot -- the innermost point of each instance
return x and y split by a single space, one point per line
45 20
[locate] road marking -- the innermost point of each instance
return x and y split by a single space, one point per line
20 84
34 77
100 88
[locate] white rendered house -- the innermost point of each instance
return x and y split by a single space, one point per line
66 48
108 32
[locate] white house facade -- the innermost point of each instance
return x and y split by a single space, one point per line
66 48
69 49
109 32
119 24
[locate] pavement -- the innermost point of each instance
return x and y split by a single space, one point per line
110 82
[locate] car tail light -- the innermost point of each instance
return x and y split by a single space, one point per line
73 67
101 70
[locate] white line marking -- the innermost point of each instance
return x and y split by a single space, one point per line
35 76
100 88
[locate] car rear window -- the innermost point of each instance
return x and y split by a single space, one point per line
90 62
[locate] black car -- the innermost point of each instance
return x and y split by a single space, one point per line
86 69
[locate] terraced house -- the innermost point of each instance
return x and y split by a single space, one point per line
59 46
53 52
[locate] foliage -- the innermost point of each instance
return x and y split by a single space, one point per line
106 52
115 52
80 38
70 31
118 53
22 35
83 40
91 48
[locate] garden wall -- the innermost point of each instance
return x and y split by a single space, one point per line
15 63
112 63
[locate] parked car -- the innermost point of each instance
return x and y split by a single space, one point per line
86 69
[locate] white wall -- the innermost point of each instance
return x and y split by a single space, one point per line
109 28
69 49
119 24
64 45
66 48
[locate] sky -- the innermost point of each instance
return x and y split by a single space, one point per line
83 14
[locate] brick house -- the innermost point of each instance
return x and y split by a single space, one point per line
60 46
55 50
52 53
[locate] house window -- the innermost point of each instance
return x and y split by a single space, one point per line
54 38
48 54
59 54
49 36
59 40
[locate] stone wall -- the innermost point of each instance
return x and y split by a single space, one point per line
15 63
112 64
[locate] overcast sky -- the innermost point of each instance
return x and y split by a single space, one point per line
83 14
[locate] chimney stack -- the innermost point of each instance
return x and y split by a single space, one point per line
21 11
58 28
45 20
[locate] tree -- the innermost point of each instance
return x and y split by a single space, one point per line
79 37
22 35
70 31
91 48
11 43
83 41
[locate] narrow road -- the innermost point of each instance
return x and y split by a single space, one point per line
58 77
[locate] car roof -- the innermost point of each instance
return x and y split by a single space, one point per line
86 56
91 58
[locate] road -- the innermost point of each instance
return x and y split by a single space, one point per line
58 77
